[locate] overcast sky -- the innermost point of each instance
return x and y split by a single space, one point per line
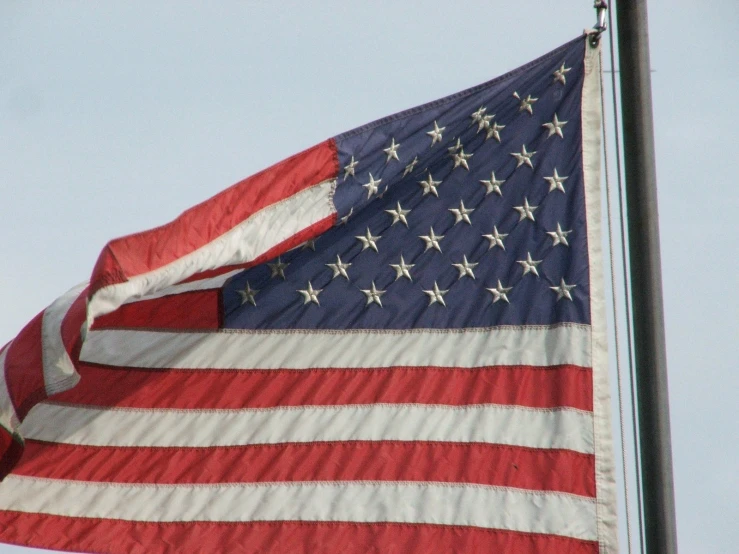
115 119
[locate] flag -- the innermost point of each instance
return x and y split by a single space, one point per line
390 342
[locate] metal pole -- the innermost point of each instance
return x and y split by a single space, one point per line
646 279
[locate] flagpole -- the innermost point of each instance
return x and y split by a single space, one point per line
646 279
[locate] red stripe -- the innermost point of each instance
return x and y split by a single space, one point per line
188 310
24 371
128 537
11 449
143 252
487 464
540 387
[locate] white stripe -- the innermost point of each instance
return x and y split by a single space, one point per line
303 349
202 284
404 502
59 371
514 425
8 417
243 243
605 480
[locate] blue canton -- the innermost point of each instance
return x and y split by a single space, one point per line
465 212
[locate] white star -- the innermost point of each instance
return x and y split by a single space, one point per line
344 220
563 290
460 158
311 243
492 185
402 269
247 295
411 166
349 168
496 238
277 268
368 241
429 186
526 211
373 295
435 134
524 157
432 240
391 151
371 186
461 213
500 293
310 294
559 236
526 104
479 115
465 268
399 215
494 131
484 123
555 181
559 75
529 265
339 268
555 127
453 149
436 295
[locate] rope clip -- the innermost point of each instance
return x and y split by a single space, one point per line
600 11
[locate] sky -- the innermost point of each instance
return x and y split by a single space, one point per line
116 118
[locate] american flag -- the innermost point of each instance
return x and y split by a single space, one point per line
390 342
